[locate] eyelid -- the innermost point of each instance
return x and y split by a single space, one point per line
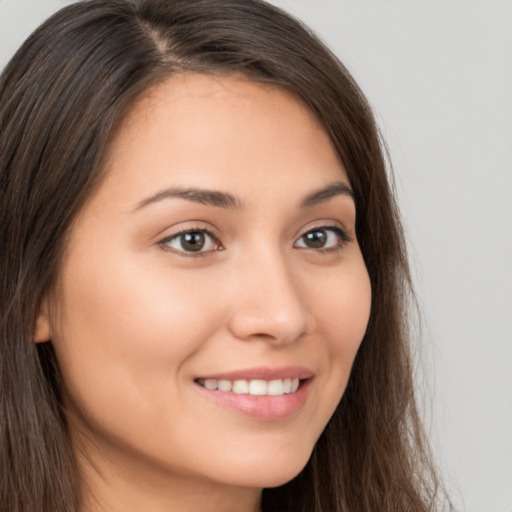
190 229
326 224
342 233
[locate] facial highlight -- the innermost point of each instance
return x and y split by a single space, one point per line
212 296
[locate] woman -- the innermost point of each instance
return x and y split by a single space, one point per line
204 280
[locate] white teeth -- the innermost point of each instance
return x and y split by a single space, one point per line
257 387
276 387
210 384
224 385
240 387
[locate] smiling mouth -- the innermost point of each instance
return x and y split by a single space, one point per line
255 387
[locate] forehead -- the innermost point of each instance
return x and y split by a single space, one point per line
187 94
222 131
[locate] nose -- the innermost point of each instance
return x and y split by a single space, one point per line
268 303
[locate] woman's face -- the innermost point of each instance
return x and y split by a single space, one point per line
217 256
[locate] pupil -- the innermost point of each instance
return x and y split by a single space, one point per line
316 239
193 241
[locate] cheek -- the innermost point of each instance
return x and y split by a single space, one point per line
129 329
342 311
133 304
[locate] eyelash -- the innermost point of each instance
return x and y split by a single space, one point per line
343 239
190 254
342 235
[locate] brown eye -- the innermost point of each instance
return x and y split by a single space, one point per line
316 239
322 238
192 242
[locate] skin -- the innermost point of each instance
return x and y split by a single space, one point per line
136 319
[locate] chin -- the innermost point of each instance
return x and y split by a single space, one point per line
280 479
274 472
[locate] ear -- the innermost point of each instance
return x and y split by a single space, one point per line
42 332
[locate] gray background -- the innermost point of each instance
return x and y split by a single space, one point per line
439 75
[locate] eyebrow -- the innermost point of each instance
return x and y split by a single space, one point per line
229 201
337 188
196 195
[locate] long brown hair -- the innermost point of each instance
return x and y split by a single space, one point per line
60 98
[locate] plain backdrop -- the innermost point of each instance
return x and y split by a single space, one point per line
439 75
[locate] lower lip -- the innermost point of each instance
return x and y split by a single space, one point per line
263 407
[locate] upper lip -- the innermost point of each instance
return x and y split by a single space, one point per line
263 373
